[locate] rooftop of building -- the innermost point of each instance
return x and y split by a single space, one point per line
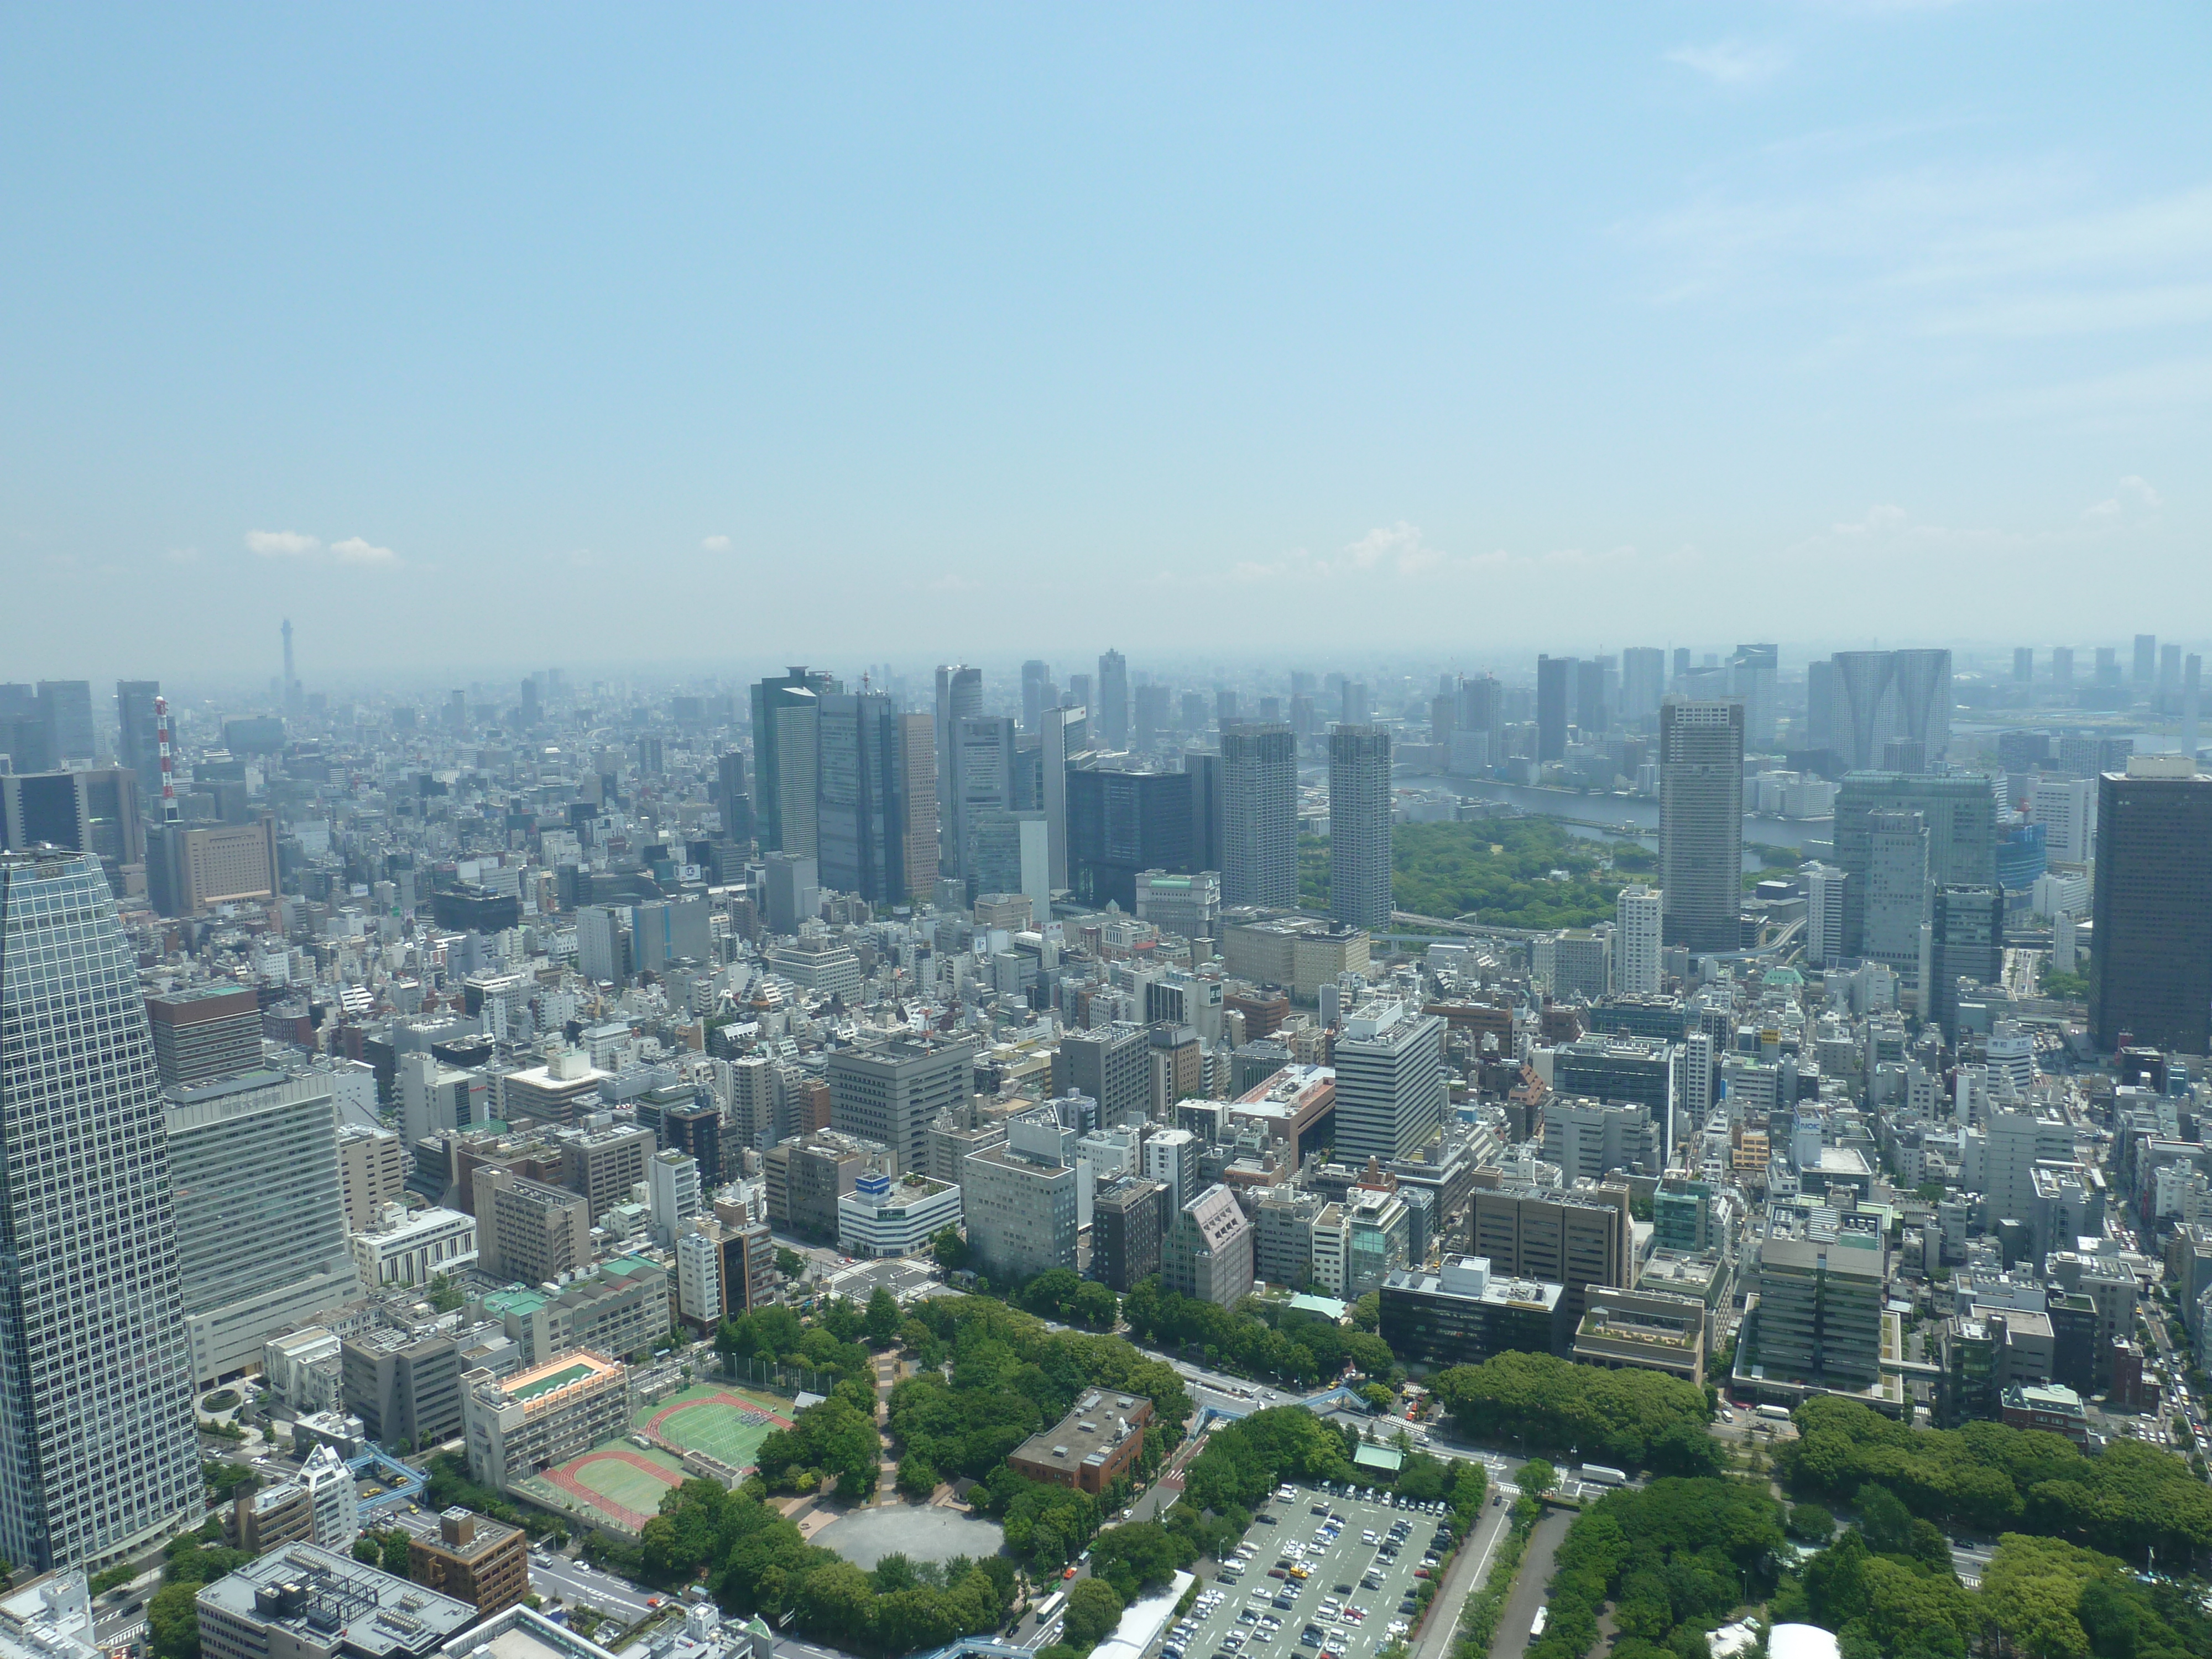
469 1535
1469 1278
1099 1423
327 1600
543 1382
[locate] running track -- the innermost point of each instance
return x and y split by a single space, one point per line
628 1517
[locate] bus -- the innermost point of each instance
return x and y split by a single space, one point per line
1602 1474
1775 1413
1048 1607
1536 1625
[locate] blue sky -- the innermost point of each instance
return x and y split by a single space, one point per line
531 334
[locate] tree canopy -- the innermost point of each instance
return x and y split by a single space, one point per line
1635 1418
1256 1338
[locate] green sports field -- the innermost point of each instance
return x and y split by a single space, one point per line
623 1483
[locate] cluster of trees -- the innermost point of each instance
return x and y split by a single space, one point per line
835 1441
1885 1586
2129 1498
1638 1418
835 1340
1258 1338
2056 1601
173 1617
1501 868
387 1550
1011 1376
1675 1558
754 1561
1059 1294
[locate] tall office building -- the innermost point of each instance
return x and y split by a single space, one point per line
1359 812
1065 733
918 830
1966 941
1754 671
1895 900
1701 822
1389 1082
1208 808
1035 677
1959 814
891 1092
1259 814
261 1213
66 707
135 744
2153 907
733 796
784 718
206 1032
861 760
1555 698
1111 701
1110 1065
1120 824
1638 927
1824 887
1642 683
2023 664
959 697
1151 720
1876 696
98 1452
2145 663
2067 810
982 788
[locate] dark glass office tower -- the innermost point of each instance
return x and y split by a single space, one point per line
2153 907
793 695
1701 823
1555 698
1122 823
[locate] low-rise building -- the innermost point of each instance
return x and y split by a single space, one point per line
563 1090
305 1602
414 1248
1647 1330
1463 1313
883 1217
473 1558
49 1618
527 1423
1089 1448
621 1306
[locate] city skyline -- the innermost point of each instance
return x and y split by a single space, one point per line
1386 329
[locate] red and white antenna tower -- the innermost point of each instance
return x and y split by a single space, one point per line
169 814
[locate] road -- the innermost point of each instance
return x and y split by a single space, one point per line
1465 1577
580 1585
1512 1635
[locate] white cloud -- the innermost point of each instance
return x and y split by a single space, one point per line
2143 492
1732 62
716 543
355 551
281 543
181 554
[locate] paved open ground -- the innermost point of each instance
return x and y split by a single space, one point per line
1225 1630
922 1533
1528 1596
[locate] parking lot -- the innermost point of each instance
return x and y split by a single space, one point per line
1349 1605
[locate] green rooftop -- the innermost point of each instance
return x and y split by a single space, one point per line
1378 1457
514 1301
552 1380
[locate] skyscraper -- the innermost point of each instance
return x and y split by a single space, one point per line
861 767
1151 716
1638 927
2145 663
1881 694
1895 899
1121 822
66 707
1036 676
1359 826
98 1452
982 784
2153 907
134 743
1389 1082
1966 941
1701 822
784 715
919 830
1754 668
959 697
1555 696
1110 702
1960 818
1642 683
1259 814
1065 733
